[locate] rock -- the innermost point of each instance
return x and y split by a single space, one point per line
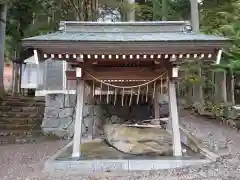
138 141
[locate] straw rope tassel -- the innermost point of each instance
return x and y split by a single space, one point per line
120 87
123 97
147 93
138 94
115 96
130 100
154 89
101 91
108 95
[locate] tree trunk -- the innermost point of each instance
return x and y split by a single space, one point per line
3 17
164 10
131 10
194 15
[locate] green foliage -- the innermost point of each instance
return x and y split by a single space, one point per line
222 18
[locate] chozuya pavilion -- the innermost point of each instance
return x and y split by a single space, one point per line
129 58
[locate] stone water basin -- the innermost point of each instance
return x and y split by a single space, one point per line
99 149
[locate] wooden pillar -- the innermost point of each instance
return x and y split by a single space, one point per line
78 121
198 93
229 88
173 113
156 103
233 88
220 87
15 78
91 127
224 87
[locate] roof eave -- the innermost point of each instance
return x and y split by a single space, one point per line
134 45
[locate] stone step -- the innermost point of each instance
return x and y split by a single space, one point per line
21 103
13 127
20 133
23 98
20 120
21 109
21 140
24 114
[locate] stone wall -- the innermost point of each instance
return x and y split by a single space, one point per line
60 115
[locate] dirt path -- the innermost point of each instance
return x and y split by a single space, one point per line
25 162
17 162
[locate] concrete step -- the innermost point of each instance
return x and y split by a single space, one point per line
20 120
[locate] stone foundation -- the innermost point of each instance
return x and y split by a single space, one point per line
59 115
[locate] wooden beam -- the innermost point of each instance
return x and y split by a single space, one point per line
126 83
116 75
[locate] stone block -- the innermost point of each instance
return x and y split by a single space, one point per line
88 121
55 100
66 113
98 110
50 123
70 130
84 130
64 123
70 100
86 110
51 112
61 134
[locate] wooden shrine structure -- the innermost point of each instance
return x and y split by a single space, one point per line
126 58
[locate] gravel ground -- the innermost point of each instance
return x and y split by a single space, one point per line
25 162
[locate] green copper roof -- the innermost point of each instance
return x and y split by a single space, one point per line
73 36
124 31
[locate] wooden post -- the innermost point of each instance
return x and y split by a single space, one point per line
233 88
173 113
229 86
224 87
156 103
78 121
91 127
220 87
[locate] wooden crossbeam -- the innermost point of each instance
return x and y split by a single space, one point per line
125 74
